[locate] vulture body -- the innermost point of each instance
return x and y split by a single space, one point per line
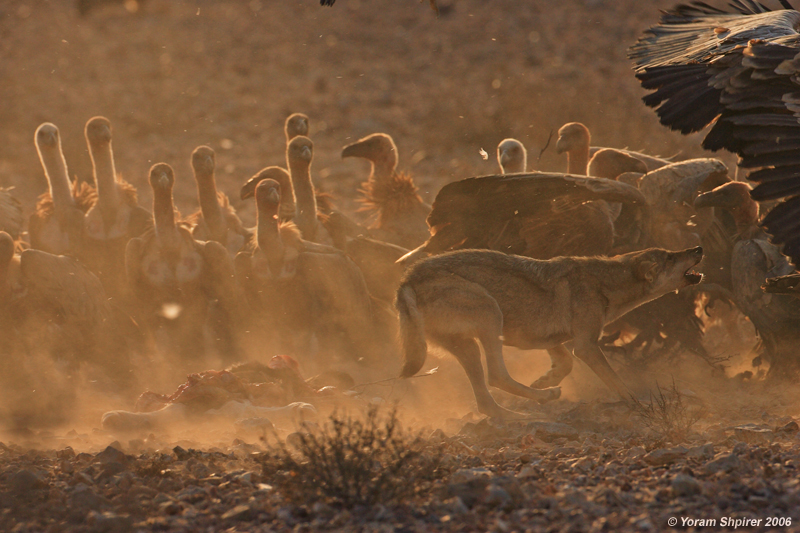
176 278
538 215
776 317
115 217
54 305
735 69
305 289
57 224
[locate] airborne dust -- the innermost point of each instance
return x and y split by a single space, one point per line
173 75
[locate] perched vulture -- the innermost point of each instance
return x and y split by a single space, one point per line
735 68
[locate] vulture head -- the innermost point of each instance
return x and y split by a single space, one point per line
296 125
572 136
379 148
512 156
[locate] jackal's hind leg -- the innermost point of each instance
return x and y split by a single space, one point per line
561 367
498 373
469 355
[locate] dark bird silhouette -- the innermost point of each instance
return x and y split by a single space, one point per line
734 68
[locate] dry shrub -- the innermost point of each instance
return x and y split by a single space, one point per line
352 462
667 414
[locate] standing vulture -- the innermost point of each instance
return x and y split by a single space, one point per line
737 70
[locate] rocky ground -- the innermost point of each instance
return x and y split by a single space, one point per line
588 466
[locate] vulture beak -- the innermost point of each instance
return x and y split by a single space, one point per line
561 145
103 133
356 149
248 190
504 158
716 198
305 153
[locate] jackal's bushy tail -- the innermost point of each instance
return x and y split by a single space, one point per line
412 332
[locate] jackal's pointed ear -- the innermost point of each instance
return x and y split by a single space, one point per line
646 270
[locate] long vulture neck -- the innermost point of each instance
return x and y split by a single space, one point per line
578 160
383 168
164 218
209 205
746 216
105 177
269 238
305 200
55 169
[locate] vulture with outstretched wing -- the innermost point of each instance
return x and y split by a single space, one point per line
738 70
539 215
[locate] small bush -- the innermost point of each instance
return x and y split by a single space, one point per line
667 415
352 462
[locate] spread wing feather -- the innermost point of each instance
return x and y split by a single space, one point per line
476 200
739 70
540 215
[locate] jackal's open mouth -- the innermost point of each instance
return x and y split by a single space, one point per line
693 277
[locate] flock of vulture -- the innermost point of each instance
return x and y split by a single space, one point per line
95 277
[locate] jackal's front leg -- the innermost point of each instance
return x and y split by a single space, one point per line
561 367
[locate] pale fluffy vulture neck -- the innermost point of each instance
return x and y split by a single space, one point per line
162 180
48 144
268 230
299 155
204 164
98 137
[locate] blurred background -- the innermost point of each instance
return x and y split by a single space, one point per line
174 74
